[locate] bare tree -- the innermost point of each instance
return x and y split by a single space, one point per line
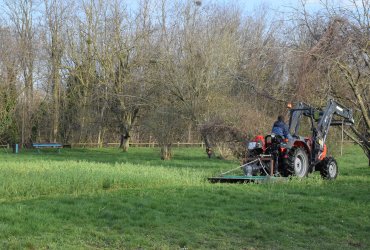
20 13
166 125
131 63
81 54
8 81
340 58
55 16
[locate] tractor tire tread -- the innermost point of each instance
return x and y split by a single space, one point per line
324 168
291 159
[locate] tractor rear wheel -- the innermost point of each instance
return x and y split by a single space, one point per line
298 162
329 168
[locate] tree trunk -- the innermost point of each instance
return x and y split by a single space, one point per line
166 152
101 126
125 141
99 137
363 142
189 133
209 149
128 120
56 82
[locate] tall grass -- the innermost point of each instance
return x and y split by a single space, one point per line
45 177
106 199
83 171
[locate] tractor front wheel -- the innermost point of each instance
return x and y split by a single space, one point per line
329 168
298 162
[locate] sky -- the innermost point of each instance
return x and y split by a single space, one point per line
248 5
286 5
280 5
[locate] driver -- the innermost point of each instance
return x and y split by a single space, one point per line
280 128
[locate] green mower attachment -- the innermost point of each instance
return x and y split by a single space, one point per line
244 179
266 164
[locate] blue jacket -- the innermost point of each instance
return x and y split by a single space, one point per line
280 128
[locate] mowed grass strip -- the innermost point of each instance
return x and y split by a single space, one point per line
150 204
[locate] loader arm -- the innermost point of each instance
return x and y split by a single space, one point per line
321 120
296 116
326 120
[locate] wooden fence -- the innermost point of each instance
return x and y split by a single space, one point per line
132 144
135 144
116 145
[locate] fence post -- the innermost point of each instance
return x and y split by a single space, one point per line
341 144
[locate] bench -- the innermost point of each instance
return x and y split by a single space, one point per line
39 146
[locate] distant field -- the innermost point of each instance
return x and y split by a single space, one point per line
106 199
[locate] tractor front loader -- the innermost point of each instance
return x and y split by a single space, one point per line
275 156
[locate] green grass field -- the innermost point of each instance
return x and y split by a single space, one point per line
106 199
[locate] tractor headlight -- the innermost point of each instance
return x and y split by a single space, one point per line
252 145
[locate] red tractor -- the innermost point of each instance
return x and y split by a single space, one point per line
274 155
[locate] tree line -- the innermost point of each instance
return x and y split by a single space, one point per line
99 71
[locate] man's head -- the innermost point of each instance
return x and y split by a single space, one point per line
280 118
